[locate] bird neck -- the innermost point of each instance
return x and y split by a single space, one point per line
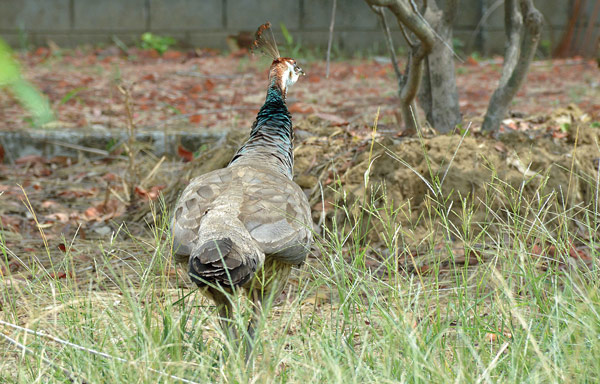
277 84
272 135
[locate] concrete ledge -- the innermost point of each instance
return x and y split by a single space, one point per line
68 142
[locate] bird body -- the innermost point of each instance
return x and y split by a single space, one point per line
243 227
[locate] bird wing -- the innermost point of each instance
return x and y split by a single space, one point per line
192 205
276 213
272 208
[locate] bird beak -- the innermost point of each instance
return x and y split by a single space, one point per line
302 72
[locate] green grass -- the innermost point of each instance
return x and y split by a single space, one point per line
364 309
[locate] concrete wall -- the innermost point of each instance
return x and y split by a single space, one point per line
206 23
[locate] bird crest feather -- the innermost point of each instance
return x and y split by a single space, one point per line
265 41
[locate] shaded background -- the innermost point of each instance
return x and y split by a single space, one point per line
207 23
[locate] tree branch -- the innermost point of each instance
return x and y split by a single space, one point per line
506 92
513 22
412 20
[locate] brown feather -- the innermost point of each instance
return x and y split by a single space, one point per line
265 41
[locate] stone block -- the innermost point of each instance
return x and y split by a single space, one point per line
34 15
110 15
348 41
249 14
354 14
186 14
215 40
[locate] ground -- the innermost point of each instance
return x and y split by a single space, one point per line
461 237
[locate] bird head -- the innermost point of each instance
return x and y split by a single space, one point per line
284 71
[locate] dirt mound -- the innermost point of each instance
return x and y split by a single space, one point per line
419 173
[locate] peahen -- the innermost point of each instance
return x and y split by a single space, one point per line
244 227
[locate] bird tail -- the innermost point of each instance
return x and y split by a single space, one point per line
228 260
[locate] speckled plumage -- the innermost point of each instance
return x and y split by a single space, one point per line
245 226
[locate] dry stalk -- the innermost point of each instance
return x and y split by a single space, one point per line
131 151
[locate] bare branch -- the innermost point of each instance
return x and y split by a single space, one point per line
408 16
411 19
505 92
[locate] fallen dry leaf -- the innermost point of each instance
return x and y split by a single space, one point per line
103 212
185 154
335 121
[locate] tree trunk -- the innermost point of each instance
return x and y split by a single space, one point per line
512 79
438 95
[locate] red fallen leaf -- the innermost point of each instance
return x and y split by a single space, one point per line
62 247
2 153
149 53
209 85
381 72
31 159
58 216
49 204
149 77
152 194
12 267
10 222
333 119
197 88
195 119
172 55
77 193
300 108
104 212
314 78
42 51
472 61
185 154
536 250
110 177
559 134
578 253
28 249
58 275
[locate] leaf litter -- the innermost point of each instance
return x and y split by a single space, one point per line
84 198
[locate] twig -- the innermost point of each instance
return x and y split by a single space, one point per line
88 350
87 149
330 41
153 171
121 45
131 153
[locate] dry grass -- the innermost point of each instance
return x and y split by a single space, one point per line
501 300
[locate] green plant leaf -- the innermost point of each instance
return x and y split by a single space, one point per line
286 34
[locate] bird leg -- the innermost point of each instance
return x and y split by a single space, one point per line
225 310
251 332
